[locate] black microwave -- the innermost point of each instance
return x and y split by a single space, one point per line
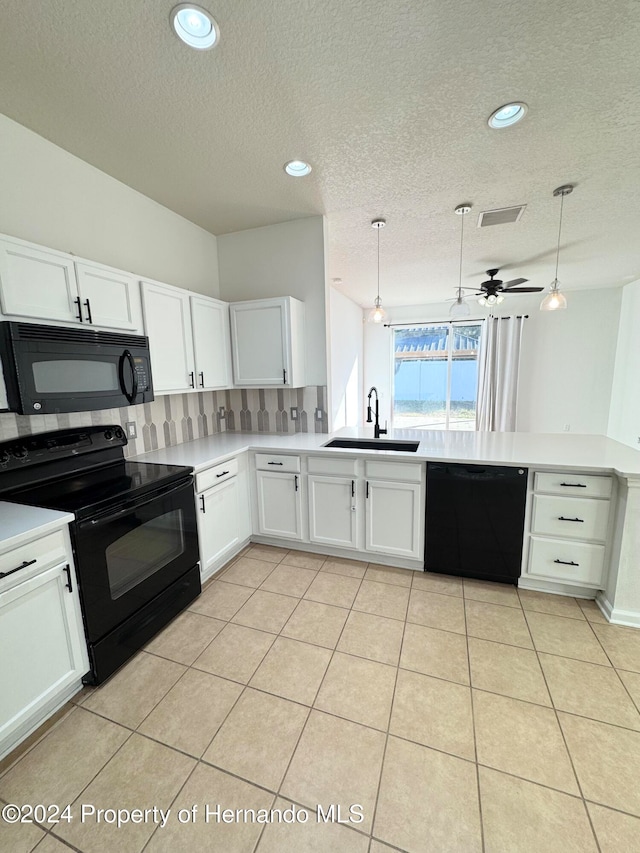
52 369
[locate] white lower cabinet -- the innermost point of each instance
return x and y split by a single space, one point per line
224 512
333 511
393 518
279 497
44 654
218 522
569 530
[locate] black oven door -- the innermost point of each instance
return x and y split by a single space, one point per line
126 556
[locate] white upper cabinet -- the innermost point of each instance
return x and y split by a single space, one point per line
36 283
210 324
54 287
109 297
167 320
267 340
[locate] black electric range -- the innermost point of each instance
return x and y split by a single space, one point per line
134 536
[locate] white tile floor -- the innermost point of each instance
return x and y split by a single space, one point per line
460 716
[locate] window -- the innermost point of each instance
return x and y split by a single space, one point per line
436 376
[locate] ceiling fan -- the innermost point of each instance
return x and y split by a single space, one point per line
492 290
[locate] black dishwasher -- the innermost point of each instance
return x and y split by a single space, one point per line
475 521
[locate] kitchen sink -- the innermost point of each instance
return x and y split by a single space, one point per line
374 444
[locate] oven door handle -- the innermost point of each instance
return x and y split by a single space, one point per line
108 515
126 355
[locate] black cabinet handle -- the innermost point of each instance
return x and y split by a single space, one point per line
367 488
68 584
17 568
192 377
284 376
88 305
201 375
574 485
295 480
222 475
202 507
79 307
353 488
562 518
275 463
566 562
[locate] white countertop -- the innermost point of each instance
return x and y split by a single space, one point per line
20 524
531 450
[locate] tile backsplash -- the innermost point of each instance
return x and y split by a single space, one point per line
176 418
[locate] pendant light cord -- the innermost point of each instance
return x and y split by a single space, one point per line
559 233
378 231
460 270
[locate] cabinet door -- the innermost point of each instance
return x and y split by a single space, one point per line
43 648
210 323
218 522
36 283
333 511
279 504
393 518
260 343
167 321
109 298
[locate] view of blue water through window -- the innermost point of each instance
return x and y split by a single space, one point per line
436 376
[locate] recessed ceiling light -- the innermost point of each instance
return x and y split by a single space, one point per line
297 168
507 115
195 26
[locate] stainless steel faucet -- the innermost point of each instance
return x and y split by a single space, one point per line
377 432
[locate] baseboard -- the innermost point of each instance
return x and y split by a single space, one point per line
344 553
556 588
617 616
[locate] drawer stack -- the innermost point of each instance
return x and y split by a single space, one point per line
569 528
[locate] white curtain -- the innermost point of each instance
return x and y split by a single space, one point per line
499 362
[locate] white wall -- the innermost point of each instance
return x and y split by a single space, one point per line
624 416
567 360
281 260
50 197
346 340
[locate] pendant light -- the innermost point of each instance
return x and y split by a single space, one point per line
460 308
377 313
554 300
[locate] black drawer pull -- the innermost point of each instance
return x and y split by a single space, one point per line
562 518
566 562
353 488
201 375
88 306
79 307
17 569
367 494
275 463
574 485
224 473
202 506
295 479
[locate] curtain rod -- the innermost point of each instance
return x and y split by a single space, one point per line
418 323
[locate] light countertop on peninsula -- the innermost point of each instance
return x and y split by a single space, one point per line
20 524
558 451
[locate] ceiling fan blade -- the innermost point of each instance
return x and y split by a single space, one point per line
513 283
525 289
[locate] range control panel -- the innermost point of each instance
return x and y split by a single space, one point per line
47 446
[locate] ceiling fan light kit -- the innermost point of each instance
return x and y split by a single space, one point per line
555 300
377 313
460 308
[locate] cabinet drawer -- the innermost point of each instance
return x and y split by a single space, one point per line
570 518
580 485
332 465
276 462
217 474
576 562
407 472
47 551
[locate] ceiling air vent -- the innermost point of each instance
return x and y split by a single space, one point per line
502 216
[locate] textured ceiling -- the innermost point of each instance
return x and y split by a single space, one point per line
387 100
